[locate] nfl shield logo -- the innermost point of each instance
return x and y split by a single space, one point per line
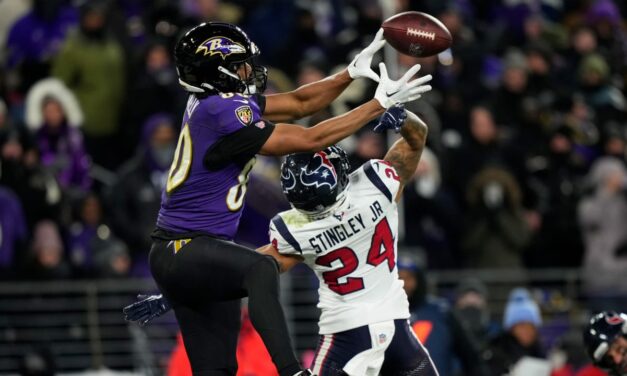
244 114
382 338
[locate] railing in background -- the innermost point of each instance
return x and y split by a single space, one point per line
558 292
81 324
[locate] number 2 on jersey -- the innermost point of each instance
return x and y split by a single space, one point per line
381 250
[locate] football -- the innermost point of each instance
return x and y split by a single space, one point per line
416 34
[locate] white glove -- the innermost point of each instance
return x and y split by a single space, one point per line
390 92
360 66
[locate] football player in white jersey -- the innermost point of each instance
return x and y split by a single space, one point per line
345 228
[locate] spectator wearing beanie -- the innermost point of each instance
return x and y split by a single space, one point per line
519 338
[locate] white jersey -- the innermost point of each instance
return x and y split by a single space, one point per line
352 251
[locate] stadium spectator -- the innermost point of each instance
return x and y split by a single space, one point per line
614 141
20 171
496 231
471 308
155 89
135 197
35 39
555 177
602 217
111 256
508 100
46 260
519 338
435 325
83 232
432 217
54 116
482 146
605 19
91 64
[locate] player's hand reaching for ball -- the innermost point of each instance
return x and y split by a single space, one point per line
390 92
361 64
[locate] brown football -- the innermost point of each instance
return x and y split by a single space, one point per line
416 34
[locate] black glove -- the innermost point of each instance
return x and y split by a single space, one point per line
146 309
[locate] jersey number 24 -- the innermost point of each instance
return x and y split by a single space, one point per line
381 250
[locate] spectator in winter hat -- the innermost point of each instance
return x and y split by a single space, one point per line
471 307
519 338
54 116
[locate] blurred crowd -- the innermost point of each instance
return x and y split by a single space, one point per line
526 159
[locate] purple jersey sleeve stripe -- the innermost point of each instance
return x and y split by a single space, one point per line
376 180
281 227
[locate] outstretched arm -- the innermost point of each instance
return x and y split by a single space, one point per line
315 96
405 153
307 99
288 138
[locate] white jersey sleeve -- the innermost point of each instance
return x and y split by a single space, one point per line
380 174
288 234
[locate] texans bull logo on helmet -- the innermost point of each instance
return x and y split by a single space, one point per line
220 45
289 181
614 319
319 172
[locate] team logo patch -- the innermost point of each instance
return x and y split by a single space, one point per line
319 172
244 114
339 216
220 45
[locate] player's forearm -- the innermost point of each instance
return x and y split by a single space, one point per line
318 95
289 138
414 131
335 129
405 154
286 262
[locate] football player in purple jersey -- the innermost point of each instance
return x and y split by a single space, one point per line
198 268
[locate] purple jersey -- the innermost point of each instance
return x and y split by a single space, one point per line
196 199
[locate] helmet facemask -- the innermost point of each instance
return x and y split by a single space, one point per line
256 77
